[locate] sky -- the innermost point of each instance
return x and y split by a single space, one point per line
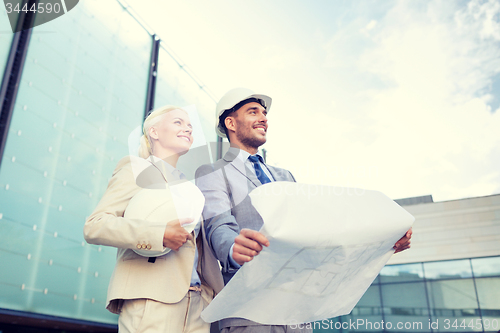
402 97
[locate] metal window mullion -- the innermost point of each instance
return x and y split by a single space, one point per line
219 148
153 70
382 314
431 311
475 290
12 74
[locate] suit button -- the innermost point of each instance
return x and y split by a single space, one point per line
149 246
143 246
139 246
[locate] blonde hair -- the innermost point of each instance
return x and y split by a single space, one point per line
153 118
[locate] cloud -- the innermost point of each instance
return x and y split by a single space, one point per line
371 25
438 111
424 123
481 16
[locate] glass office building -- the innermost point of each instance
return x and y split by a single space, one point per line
460 295
449 281
83 89
87 80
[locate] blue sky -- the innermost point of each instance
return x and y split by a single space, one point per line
396 96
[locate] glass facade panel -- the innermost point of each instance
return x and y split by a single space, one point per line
401 273
486 266
175 87
81 93
488 292
452 300
453 269
406 303
367 314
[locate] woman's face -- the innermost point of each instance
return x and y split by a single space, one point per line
174 133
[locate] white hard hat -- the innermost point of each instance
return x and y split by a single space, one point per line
233 97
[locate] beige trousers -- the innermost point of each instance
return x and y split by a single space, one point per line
148 316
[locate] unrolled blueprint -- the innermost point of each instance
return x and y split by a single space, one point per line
327 245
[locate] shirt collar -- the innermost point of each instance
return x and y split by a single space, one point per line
168 169
243 155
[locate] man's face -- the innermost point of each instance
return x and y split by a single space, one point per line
250 124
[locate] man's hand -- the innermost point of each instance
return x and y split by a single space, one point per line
247 245
404 242
175 235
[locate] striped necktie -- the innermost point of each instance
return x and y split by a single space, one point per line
258 169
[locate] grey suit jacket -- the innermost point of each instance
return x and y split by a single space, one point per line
226 185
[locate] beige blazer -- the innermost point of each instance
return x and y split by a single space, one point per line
166 280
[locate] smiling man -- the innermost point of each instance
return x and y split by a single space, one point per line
231 221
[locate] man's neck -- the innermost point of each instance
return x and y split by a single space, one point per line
250 150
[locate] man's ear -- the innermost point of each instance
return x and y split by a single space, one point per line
230 123
153 133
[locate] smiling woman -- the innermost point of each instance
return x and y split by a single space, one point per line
143 214
167 134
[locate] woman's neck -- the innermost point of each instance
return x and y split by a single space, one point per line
170 158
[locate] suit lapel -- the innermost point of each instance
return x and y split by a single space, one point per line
251 175
274 173
232 158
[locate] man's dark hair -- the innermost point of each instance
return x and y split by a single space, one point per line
227 112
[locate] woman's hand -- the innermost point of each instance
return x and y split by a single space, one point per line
175 235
